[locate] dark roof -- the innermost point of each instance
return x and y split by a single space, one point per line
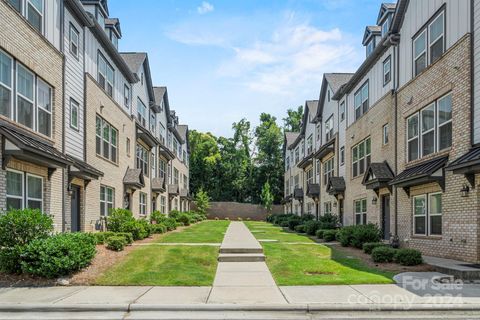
336 82
469 162
160 94
384 8
305 162
380 170
84 168
158 184
325 149
32 146
313 190
134 178
312 106
420 173
335 185
135 60
298 193
290 138
371 31
182 131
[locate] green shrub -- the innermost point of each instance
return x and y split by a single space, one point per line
284 224
311 227
308 217
158 228
345 235
11 259
174 214
300 228
279 218
118 219
157 216
58 255
20 227
383 254
179 224
184 218
408 257
116 243
170 223
320 233
365 233
100 237
330 235
127 235
293 222
369 246
140 229
328 221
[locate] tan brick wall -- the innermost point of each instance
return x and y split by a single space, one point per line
460 236
22 42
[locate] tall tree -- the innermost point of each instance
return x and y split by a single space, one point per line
293 121
204 156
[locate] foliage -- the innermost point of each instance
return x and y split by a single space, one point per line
127 235
20 227
300 228
320 233
308 217
184 218
140 229
328 221
116 243
312 226
365 233
293 121
11 258
369 246
267 197
293 222
118 218
58 255
408 257
100 237
345 235
158 228
202 201
329 235
157 216
383 254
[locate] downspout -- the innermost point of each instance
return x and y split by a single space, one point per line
62 34
395 42
472 71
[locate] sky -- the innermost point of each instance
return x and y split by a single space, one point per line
224 60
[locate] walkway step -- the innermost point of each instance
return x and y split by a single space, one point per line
241 257
241 250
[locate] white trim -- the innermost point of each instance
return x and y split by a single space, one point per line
38 107
74 104
430 214
424 215
27 198
422 133
12 79
22 197
18 94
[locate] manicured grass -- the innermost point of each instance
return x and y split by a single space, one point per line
271 232
312 264
210 231
164 266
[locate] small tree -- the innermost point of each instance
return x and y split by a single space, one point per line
202 201
267 197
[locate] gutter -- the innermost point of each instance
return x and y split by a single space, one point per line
62 48
472 72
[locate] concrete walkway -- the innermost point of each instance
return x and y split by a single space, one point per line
242 275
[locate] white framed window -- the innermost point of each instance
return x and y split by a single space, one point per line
297 155
25 97
385 26
74 114
342 111
175 176
318 167
427 214
360 207
329 128
361 156
106 75
107 196
430 129
44 108
385 134
141 112
310 144
175 146
319 131
429 44
126 96
309 207
74 41
142 159
162 166
128 147
34 14
153 123
310 176
327 170
435 214
142 201
106 144
387 70
163 207
287 163
342 156
361 100
185 182
17 4
370 47
327 207
175 204
6 85
34 192
420 215
15 189
161 133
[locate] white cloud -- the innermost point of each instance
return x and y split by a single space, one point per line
205 7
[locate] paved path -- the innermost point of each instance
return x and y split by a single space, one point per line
240 279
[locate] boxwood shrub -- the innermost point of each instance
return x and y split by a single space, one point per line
58 255
293 222
329 235
369 246
408 257
345 235
365 233
312 226
300 228
116 243
158 228
383 254
320 233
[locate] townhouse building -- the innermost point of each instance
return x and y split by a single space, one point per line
80 120
406 149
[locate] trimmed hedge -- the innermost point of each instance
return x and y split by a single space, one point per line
300 228
363 234
312 226
320 233
369 246
158 228
293 222
345 235
116 243
408 257
383 254
329 235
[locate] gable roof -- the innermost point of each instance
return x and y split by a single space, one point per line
311 107
371 30
134 178
336 81
385 7
135 60
160 94
115 24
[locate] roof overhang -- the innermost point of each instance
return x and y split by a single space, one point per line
377 176
133 179
145 135
468 165
336 186
313 190
184 194
307 161
298 194
165 152
82 170
175 132
173 190
326 149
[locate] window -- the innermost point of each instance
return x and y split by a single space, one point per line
287 163
328 95
310 176
318 167
361 101
142 201
310 144
163 207
106 75
435 128
101 19
44 108
162 168
141 112
17 4
162 133
387 70
128 147
184 157
175 204
385 134
360 207
34 12
297 155
114 39
185 182
327 170
142 159
329 128
287 186
327 207
175 176
153 123
342 156
34 192
106 200
106 140
427 214
126 96
152 164
429 44
318 128
175 146
370 47
385 26
297 181
74 114
15 189
74 41
361 157
6 76
309 207
25 96
342 111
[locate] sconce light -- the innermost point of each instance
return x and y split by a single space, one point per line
465 190
69 189
374 200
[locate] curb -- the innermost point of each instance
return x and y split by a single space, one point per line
20 307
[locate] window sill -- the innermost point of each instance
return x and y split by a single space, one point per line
107 160
420 237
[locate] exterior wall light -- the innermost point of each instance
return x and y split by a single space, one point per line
374 201
464 191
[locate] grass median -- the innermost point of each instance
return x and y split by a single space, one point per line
209 231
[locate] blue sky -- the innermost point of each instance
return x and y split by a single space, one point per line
227 60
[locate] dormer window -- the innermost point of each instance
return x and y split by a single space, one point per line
114 39
385 26
101 19
370 47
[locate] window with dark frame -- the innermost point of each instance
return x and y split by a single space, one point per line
427 214
361 157
361 100
74 41
106 144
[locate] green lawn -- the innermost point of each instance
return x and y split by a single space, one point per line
164 266
182 265
312 264
210 231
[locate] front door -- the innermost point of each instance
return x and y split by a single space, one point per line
75 207
386 217
340 211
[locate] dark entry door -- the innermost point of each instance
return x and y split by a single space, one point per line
386 217
340 211
75 204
